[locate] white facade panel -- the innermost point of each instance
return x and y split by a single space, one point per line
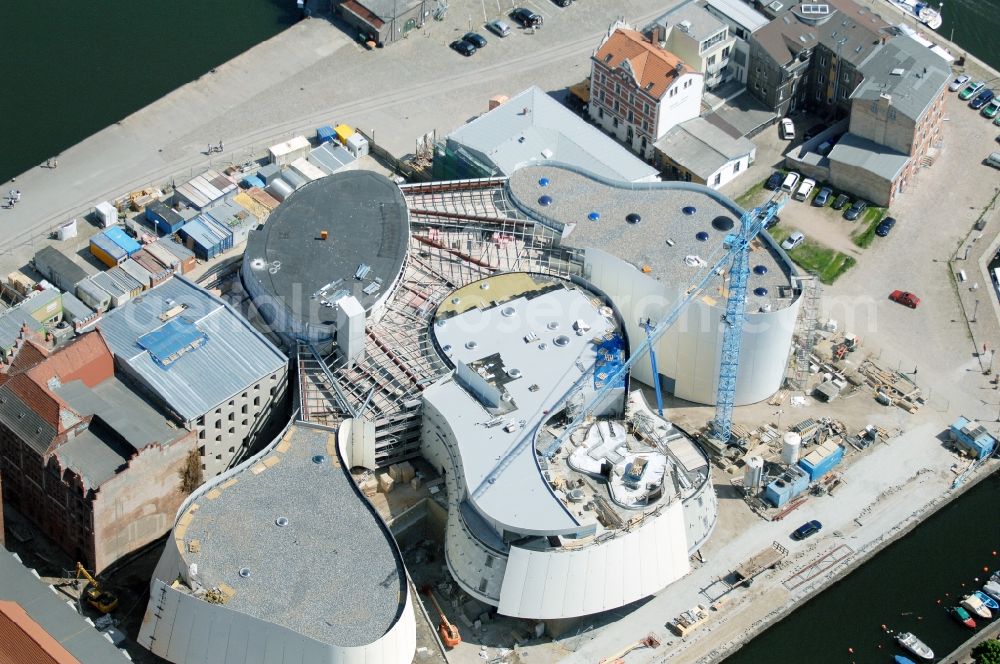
690 351
537 583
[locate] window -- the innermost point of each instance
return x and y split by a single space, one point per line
256 401
614 122
645 125
604 79
718 178
243 410
232 416
630 117
818 95
618 88
736 168
645 108
600 113
875 106
631 98
892 114
711 60
600 95
218 424
616 105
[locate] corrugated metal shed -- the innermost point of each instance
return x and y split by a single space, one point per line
166 219
91 294
162 255
280 189
236 218
269 173
203 190
331 157
78 313
303 167
157 271
137 272
182 253
123 240
119 294
233 359
293 178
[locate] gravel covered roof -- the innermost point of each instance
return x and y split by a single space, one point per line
331 573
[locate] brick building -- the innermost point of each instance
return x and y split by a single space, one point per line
639 91
84 458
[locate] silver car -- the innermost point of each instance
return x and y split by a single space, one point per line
499 28
961 80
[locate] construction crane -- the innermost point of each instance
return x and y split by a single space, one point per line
737 247
448 630
649 327
102 600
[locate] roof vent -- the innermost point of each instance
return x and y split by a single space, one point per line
685 25
898 71
543 182
594 216
245 572
689 210
553 325
508 312
633 218
723 223
701 236
514 373
545 200
760 291
561 341
281 521
760 269
318 459
472 344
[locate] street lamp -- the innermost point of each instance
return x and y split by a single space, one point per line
975 311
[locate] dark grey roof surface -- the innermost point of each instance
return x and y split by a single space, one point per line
331 573
921 74
850 29
854 150
660 206
96 455
49 609
67 273
367 221
25 422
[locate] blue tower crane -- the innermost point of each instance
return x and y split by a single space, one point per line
649 327
737 247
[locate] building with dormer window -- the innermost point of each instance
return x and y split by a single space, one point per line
639 91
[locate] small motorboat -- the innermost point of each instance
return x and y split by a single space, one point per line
962 616
990 603
976 607
914 645
903 660
993 590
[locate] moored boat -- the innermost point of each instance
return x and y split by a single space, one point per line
922 12
914 645
990 603
904 660
976 607
962 616
992 589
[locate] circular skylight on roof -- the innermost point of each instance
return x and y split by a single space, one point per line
245 572
689 210
633 218
281 521
543 182
760 269
507 312
319 458
723 223
545 200
760 291
561 340
702 236
594 216
472 344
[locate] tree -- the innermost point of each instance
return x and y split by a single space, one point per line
190 472
987 652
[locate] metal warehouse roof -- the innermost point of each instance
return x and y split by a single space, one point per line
702 148
56 615
331 157
233 357
534 127
854 150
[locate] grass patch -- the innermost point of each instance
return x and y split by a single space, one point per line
825 263
748 198
865 234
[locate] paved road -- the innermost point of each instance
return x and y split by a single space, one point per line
313 74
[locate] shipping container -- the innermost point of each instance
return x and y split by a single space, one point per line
294 179
325 134
106 250
137 272
269 173
58 268
357 145
91 294
123 240
303 167
77 313
164 218
158 273
289 151
251 181
822 460
344 132
106 214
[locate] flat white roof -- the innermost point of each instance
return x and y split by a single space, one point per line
740 12
518 498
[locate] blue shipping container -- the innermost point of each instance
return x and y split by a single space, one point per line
325 134
252 181
119 237
823 466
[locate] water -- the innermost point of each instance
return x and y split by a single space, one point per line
973 25
72 68
900 588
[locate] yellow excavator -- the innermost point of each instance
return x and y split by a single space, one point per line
103 600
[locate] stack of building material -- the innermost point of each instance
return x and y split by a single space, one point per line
385 483
402 472
252 205
822 460
203 190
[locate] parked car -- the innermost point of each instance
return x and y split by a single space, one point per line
773 221
983 98
805 189
526 18
475 39
906 299
807 529
793 240
787 129
788 184
499 28
823 197
774 181
959 81
856 210
812 131
463 47
885 226
841 201
993 160
970 90
563 3
991 109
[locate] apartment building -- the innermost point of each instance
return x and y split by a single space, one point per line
699 39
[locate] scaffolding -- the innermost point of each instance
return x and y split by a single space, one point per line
460 232
805 333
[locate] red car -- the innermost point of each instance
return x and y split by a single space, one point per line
907 299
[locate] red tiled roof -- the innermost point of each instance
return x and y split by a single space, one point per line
653 67
24 640
363 13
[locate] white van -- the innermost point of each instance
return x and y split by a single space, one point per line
805 189
791 180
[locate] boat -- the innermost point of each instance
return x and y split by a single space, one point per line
922 12
976 607
914 645
903 660
962 616
990 603
992 588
